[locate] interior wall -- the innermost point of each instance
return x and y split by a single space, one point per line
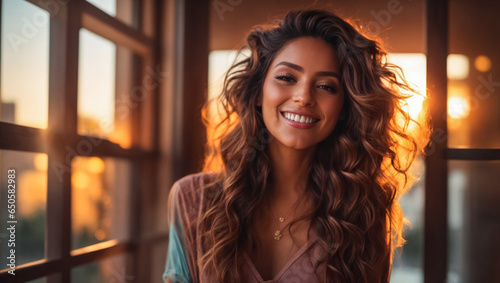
400 24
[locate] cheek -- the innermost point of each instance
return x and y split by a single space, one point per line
332 108
272 96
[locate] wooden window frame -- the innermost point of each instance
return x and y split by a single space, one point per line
436 174
61 132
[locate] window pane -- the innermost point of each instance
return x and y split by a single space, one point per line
105 87
27 195
122 9
474 75
108 270
408 263
24 64
100 200
473 214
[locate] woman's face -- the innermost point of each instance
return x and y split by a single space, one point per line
302 93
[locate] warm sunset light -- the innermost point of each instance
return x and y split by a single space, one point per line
96 83
95 165
414 69
121 136
33 196
414 105
482 63
457 67
80 180
87 192
458 107
458 101
41 162
24 58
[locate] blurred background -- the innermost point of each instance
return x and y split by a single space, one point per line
100 114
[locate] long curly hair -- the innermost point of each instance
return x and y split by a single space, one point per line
357 174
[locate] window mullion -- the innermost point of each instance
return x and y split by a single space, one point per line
109 27
436 174
473 153
63 80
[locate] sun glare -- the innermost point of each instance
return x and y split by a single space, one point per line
414 70
458 107
457 67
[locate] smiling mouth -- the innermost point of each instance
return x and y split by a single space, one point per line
299 118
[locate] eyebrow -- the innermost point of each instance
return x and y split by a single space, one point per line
300 69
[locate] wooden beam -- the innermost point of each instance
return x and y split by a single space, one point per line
98 22
100 251
436 173
193 22
17 137
63 89
87 255
473 153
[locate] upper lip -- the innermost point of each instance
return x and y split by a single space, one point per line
301 113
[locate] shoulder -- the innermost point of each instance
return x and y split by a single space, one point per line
189 190
192 183
196 180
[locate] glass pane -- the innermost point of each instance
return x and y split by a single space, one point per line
24 64
122 9
112 269
474 75
105 89
414 70
408 262
100 200
23 202
473 215
219 62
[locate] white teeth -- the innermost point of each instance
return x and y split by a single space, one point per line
299 119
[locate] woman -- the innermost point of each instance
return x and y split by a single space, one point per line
312 153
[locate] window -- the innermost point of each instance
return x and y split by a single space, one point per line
473 146
78 86
463 157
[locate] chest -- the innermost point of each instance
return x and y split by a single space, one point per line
277 248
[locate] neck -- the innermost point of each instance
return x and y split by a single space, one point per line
290 170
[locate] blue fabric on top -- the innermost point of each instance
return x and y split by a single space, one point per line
176 268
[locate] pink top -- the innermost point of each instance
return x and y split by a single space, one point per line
185 206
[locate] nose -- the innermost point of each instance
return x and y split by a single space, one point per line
304 95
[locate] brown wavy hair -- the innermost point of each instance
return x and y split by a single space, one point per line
357 174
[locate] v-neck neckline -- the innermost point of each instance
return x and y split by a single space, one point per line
287 265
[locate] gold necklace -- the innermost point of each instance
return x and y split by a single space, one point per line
277 234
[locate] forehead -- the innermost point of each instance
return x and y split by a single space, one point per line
309 53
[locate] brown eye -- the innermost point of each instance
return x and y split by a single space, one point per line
328 88
285 78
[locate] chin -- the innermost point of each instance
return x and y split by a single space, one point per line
299 145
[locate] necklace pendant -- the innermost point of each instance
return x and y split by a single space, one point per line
282 219
277 235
